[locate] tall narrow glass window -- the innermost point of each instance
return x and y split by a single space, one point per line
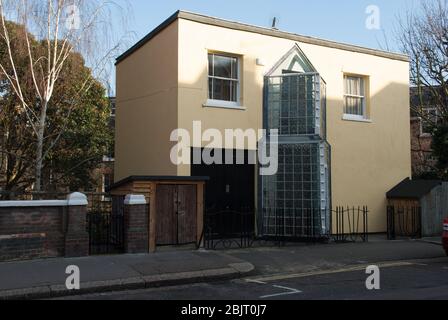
223 78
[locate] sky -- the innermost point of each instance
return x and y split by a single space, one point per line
338 20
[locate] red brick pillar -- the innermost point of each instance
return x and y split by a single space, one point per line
76 235
136 224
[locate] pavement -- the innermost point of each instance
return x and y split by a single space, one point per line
433 240
39 279
300 258
99 274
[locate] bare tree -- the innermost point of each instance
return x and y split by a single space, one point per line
63 27
423 35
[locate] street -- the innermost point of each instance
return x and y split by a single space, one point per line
408 280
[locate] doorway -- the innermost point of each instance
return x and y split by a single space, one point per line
231 187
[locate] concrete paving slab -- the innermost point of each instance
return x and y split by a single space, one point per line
46 278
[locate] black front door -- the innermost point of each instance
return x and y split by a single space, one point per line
231 186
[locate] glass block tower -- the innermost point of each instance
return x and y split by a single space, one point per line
295 203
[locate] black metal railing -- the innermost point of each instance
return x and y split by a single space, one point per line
106 228
105 225
105 233
236 229
350 224
404 222
228 229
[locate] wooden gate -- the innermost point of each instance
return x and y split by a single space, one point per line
176 214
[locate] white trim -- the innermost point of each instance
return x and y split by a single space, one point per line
108 159
352 117
425 135
77 199
134 200
363 83
223 104
225 79
74 199
237 80
39 203
354 96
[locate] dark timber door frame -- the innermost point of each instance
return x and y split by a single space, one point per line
176 214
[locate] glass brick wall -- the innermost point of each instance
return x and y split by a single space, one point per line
295 202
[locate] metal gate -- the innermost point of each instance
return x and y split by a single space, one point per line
351 224
404 222
229 229
106 228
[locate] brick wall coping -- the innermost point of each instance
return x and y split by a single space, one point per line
133 200
74 199
22 236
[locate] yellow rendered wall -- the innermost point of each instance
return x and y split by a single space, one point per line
368 159
147 93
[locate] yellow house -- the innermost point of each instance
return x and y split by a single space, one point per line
342 112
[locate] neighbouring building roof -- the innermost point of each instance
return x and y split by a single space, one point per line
413 189
260 30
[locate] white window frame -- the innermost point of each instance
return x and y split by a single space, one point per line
354 117
224 103
427 111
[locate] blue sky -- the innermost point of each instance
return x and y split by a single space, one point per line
339 20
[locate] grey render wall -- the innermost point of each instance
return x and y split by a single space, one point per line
434 210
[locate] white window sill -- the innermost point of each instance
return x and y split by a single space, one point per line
223 105
347 117
425 135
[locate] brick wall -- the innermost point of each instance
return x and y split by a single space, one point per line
42 231
32 232
136 226
422 160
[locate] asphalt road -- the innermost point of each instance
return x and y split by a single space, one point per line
415 280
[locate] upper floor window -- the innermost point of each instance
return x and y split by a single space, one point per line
223 79
430 118
355 98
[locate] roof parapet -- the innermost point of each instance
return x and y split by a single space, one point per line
260 30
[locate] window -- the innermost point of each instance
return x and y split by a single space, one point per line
430 118
112 108
223 79
355 98
107 181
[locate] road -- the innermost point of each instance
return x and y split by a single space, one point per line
408 280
